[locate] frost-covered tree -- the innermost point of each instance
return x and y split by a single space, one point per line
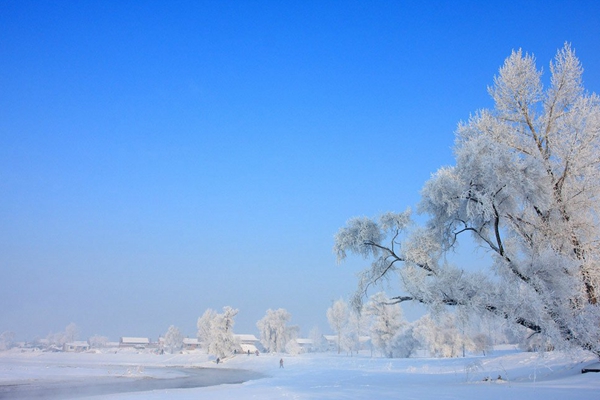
98 341
318 340
7 339
405 344
526 187
205 327
349 340
292 347
482 343
356 327
493 328
337 316
70 334
442 337
274 330
535 343
225 342
387 322
216 331
173 340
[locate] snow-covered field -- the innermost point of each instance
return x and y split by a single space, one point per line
313 376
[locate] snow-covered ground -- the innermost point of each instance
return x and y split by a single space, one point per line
317 376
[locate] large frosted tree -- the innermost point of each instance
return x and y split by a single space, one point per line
205 327
173 340
337 316
356 327
442 338
274 330
70 334
387 322
7 339
216 331
525 186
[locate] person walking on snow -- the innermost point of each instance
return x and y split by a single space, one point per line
281 363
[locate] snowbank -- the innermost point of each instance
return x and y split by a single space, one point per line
324 376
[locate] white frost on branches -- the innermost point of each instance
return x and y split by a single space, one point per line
337 316
275 334
173 340
215 331
70 334
7 339
526 187
387 323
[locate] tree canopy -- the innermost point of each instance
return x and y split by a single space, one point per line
525 186
274 330
216 331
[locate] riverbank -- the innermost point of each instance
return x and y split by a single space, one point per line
75 388
58 376
500 375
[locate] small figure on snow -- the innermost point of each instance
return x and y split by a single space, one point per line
281 363
218 359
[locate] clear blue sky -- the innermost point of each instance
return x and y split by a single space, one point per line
161 158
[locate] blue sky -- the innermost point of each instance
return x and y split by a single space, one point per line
161 158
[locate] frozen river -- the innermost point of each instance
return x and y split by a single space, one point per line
126 375
88 386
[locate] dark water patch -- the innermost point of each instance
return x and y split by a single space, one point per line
76 388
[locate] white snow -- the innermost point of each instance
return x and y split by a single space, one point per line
552 375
